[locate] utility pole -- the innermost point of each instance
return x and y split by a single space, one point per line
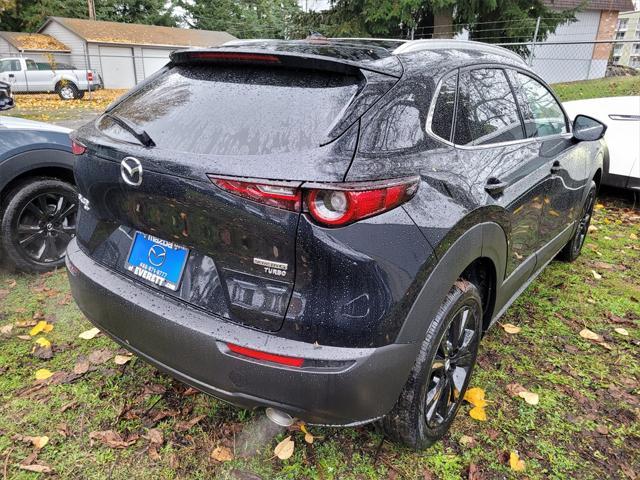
533 43
92 9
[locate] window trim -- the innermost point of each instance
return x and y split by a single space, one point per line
503 67
434 101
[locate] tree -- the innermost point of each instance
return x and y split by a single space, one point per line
28 15
506 20
242 18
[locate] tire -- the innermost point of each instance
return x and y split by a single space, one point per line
571 250
68 91
409 421
32 239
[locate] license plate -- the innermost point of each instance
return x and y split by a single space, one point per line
157 261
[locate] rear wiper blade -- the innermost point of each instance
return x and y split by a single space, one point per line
141 135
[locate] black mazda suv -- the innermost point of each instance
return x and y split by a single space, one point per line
328 228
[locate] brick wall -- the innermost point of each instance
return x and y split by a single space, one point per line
606 31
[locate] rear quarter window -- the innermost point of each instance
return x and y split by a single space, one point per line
443 112
228 110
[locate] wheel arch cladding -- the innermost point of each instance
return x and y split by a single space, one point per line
482 246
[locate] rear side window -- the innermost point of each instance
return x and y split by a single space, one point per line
31 65
541 112
487 111
233 110
442 120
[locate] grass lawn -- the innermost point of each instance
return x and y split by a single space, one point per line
601 87
586 424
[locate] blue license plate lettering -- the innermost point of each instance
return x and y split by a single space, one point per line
157 261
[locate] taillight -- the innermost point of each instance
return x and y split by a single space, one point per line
341 204
269 357
77 148
284 195
330 204
90 76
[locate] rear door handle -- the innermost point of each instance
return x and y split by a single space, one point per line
556 167
494 186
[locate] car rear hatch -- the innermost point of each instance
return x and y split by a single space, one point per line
218 113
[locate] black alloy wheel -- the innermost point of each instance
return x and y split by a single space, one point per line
572 250
38 224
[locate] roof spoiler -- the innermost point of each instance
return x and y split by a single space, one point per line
236 56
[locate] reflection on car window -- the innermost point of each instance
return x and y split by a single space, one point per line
542 114
442 121
487 111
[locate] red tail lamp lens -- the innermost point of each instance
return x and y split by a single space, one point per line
284 196
341 207
231 56
77 148
90 76
268 357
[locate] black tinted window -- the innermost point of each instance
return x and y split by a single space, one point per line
442 120
487 111
541 112
236 110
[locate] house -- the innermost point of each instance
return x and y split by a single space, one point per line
628 28
571 53
41 48
124 53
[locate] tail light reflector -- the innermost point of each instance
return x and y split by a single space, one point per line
269 357
90 76
330 204
77 148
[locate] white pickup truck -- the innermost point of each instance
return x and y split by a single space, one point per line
25 75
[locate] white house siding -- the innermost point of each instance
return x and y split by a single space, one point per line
6 49
76 44
566 63
153 59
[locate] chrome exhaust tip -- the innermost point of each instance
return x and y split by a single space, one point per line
279 417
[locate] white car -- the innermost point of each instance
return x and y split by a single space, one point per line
622 117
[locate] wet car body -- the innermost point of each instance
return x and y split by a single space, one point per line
353 301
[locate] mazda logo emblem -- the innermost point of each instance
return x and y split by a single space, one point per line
131 171
157 255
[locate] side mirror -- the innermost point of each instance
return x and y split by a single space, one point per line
588 129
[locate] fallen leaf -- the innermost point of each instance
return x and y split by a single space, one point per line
592 228
24 337
596 275
222 454
122 359
41 326
307 436
510 328
284 449
475 396
599 206
186 425
516 464
621 331
42 349
467 441
633 236
155 436
98 357
111 439
43 342
82 366
474 472
514 389
37 442
6 329
530 397
478 413
35 467
89 334
43 374
589 335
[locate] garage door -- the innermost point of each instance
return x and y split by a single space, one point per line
118 70
154 59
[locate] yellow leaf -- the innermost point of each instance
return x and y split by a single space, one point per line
599 206
222 454
307 436
621 331
43 342
475 396
122 359
43 374
510 328
589 335
516 464
478 413
39 442
89 334
633 236
596 275
41 326
284 449
530 397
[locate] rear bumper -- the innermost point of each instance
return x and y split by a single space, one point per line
344 386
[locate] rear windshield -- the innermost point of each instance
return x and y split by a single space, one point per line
228 110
